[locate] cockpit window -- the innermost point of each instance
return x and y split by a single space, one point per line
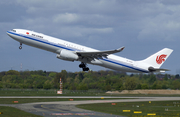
14 30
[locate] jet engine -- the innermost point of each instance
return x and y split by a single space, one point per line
67 55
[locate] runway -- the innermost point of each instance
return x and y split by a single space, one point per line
70 97
68 109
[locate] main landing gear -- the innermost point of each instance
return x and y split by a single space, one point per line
84 67
20 47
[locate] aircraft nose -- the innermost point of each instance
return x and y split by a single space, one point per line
8 33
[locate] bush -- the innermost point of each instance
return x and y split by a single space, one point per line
144 86
47 86
82 87
130 84
138 86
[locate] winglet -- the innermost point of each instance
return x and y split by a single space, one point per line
120 49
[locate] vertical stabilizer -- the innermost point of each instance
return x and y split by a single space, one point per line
157 59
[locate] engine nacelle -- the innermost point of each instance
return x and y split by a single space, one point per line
67 55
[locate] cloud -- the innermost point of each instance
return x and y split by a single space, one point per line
65 18
10 14
145 20
164 26
83 31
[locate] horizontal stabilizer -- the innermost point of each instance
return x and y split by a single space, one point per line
151 69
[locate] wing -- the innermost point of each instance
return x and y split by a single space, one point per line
98 54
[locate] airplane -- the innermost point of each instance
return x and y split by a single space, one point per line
74 52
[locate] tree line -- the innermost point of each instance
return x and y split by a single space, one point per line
101 80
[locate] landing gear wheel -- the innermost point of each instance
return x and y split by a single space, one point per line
20 47
84 67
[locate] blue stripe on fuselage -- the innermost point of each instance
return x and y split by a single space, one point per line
41 41
52 44
125 65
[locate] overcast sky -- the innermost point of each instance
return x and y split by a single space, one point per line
142 26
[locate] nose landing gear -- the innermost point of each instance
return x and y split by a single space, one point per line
84 67
20 47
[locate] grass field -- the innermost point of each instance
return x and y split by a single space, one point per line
31 100
41 92
138 109
14 112
161 109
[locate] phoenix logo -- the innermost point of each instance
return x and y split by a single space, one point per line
160 59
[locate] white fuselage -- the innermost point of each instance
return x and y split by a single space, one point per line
55 45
